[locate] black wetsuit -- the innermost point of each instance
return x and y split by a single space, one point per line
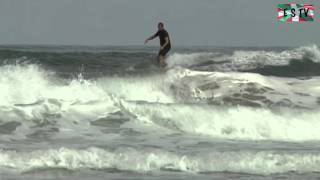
162 36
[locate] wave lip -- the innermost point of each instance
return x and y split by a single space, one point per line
128 159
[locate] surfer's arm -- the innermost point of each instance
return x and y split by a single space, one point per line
150 38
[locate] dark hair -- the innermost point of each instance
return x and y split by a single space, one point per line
161 24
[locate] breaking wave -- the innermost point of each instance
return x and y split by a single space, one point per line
219 105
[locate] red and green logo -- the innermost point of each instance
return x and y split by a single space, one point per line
295 12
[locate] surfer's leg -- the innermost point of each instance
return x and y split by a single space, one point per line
161 56
161 61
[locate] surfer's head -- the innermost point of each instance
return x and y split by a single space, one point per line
160 26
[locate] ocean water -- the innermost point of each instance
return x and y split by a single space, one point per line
108 112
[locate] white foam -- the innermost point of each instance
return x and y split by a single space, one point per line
151 88
240 123
128 159
29 95
253 59
186 60
23 84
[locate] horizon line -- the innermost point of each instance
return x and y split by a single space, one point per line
147 46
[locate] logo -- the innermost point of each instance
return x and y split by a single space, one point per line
295 12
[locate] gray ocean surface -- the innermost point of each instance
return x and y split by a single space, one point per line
109 112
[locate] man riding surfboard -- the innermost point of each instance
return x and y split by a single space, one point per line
165 44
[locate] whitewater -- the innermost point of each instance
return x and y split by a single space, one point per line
69 112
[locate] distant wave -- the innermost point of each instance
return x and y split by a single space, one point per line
302 61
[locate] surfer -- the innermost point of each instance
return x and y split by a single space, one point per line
165 44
